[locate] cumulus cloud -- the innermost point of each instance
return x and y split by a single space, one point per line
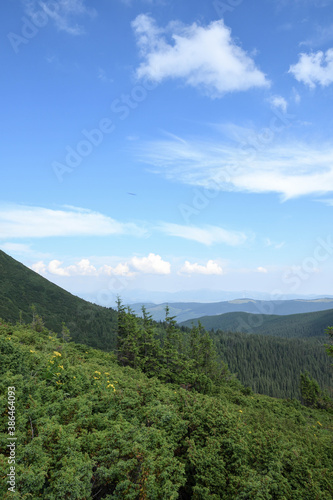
212 267
39 267
207 234
119 270
63 13
153 264
36 222
293 169
314 68
205 57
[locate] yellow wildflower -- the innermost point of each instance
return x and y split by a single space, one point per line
98 373
51 361
96 378
60 366
319 424
56 353
32 350
106 373
74 377
58 374
240 411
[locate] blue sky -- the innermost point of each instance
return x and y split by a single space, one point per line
155 145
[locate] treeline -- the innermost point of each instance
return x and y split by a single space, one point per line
272 365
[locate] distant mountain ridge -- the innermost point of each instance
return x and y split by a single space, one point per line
184 311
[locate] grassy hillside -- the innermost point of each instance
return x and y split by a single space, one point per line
87 428
292 326
21 287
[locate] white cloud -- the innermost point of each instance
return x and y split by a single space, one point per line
62 12
314 68
39 267
292 170
210 268
203 57
36 222
279 102
54 267
120 270
206 234
262 270
153 264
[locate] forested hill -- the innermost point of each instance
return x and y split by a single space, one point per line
291 326
20 288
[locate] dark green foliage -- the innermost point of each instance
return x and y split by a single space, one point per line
272 365
96 430
311 393
329 347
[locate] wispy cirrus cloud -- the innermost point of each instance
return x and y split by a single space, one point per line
63 13
18 221
291 170
314 68
204 57
206 235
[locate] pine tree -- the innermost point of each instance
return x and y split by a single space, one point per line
128 336
149 346
172 349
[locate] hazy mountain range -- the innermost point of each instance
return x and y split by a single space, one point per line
184 311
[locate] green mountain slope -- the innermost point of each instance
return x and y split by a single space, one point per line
87 428
20 287
291 326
